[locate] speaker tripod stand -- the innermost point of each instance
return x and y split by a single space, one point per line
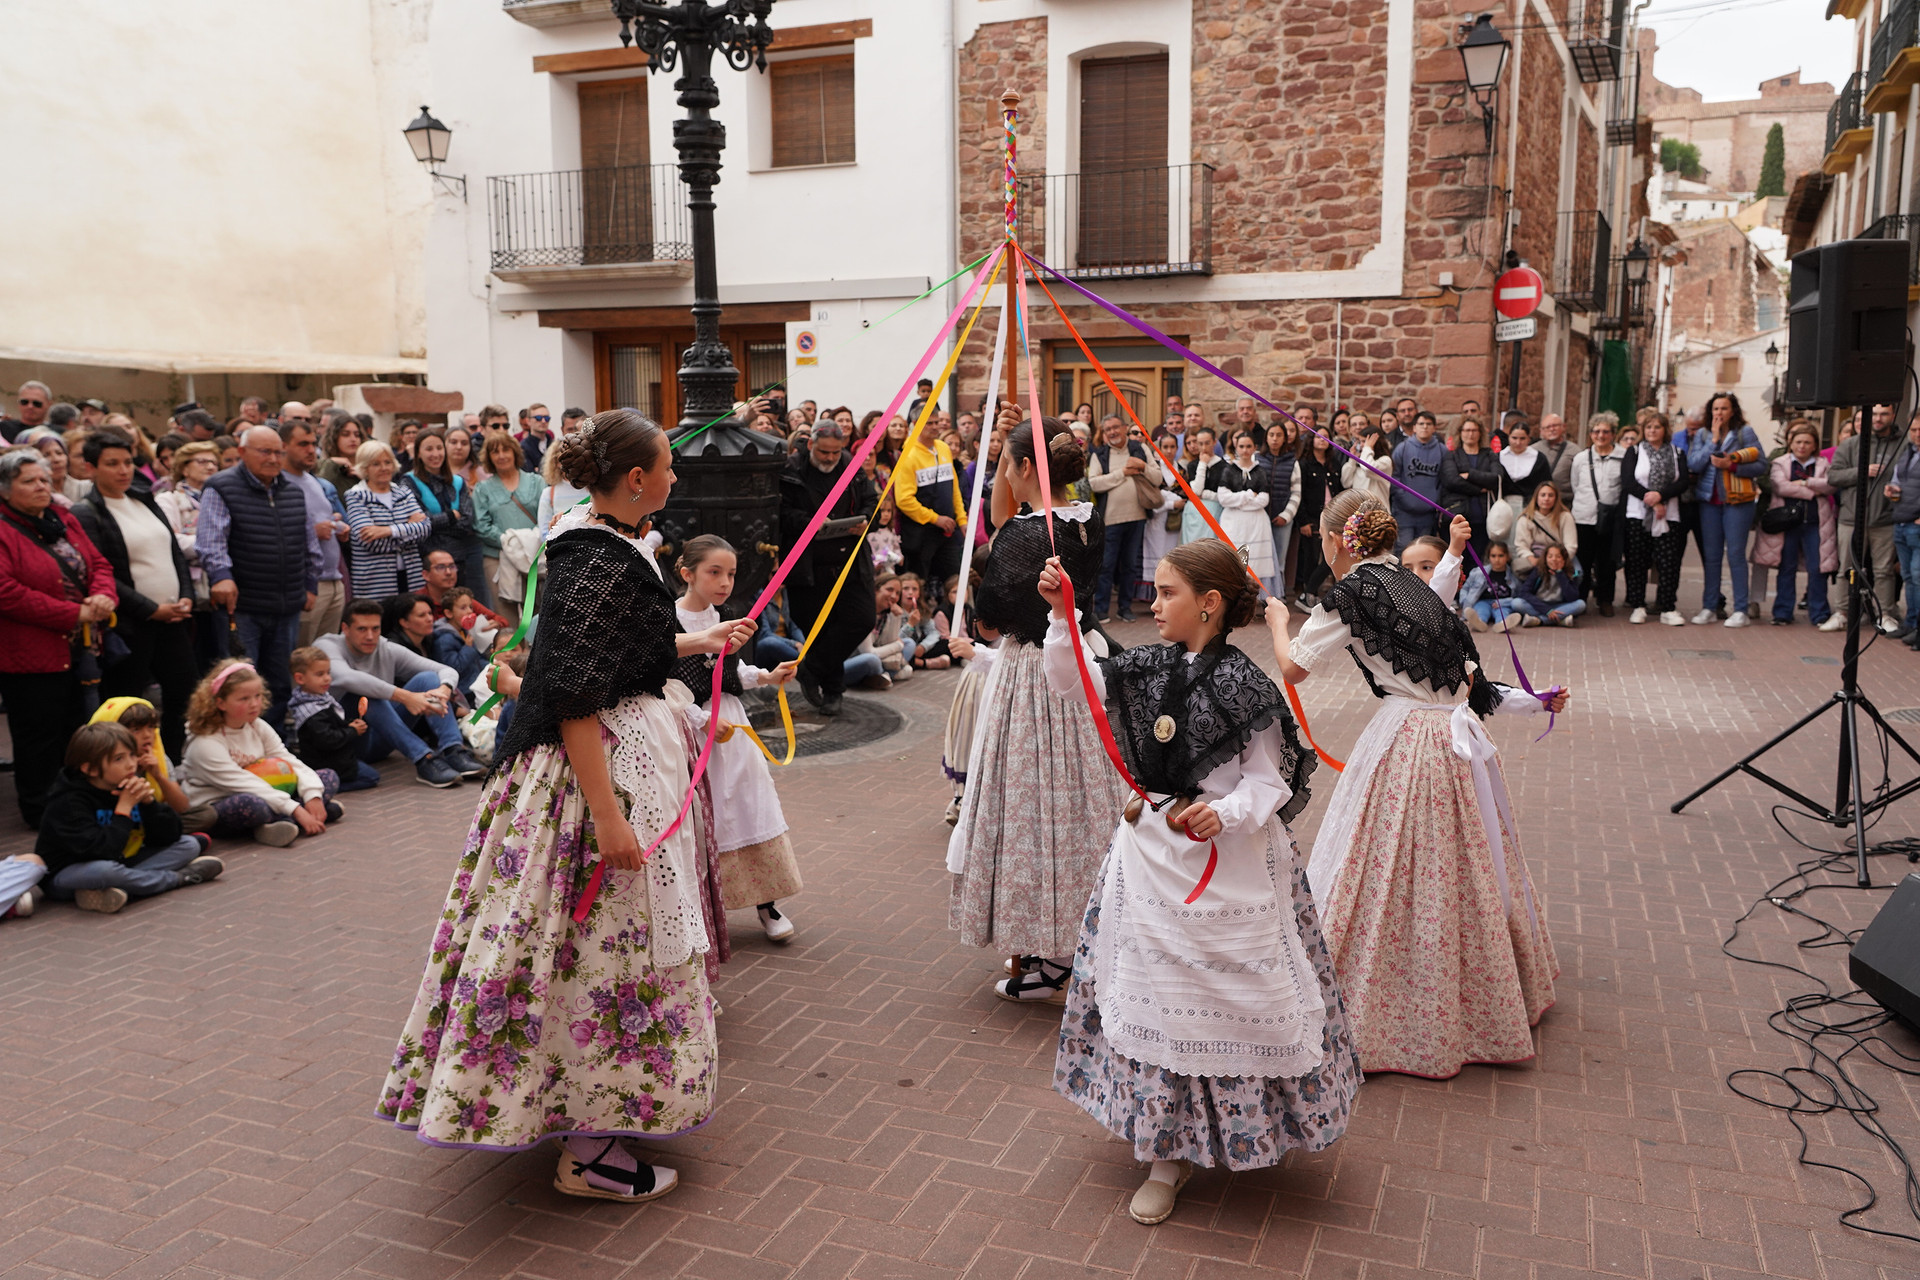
1851 806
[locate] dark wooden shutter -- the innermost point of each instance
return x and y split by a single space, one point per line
1123 161
616 198
812 111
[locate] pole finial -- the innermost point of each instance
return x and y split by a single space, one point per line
1010 99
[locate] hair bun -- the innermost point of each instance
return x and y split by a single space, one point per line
1374 531
1066 458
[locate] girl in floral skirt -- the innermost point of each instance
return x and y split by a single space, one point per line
1204 1024
566 994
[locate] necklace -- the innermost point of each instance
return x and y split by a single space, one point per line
631 530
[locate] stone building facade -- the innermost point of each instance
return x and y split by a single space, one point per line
1732 136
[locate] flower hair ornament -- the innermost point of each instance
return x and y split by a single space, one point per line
1350 532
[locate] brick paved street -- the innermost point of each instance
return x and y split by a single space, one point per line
189 1085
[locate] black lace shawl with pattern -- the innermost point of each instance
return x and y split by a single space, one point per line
696 672
1008 597
1218 702
607 624
1396 616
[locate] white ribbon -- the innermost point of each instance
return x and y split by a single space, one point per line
975 511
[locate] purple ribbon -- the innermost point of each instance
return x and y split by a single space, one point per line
1171 344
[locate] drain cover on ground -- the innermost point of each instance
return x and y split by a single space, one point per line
861 722
1712 655
1910 715
1820 660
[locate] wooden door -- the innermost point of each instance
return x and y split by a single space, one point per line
1123 161
616 198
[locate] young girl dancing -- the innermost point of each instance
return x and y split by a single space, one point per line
1438 937
1204 1023
530 1024
1040 792
757 866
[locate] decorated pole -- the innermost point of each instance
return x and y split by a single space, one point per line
1009 147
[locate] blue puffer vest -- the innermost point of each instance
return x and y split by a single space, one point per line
267 540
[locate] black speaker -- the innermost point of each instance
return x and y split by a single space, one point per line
1886 961
1847 324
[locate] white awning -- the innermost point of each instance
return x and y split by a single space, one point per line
221 361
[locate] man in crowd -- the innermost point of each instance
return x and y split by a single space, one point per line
254 410
1553 444
494 417
92 414
328 516
1883 452
535 434
571 420
262 557
809 410
409 700
197 424
294 411
926 493
35 399
1113 468
1416 463
804 485
968 425
1175 417
1599 509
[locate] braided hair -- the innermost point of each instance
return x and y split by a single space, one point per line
594 457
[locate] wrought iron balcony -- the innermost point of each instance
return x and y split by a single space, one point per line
556 13
626 223
1121 224
1893 61
1900 226
1595 32
1582 260
1849 128
1844 114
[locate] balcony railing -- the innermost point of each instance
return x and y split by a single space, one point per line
556 13
1900 226
589 218
1900 30
1584 254
1121 224
1844 114
1595 32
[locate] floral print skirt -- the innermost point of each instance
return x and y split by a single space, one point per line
528 1025
1236 1122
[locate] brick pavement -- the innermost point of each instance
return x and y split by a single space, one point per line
188 1084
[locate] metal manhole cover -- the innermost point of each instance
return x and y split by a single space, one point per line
1910 715
861 722
1711 655
1820 660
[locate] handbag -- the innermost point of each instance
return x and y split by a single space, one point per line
1147 493
1784 518
1500 520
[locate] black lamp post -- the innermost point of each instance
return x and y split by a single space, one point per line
1483 57
429 140
730 480
1634 266
1772 355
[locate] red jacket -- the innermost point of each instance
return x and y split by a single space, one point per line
36 618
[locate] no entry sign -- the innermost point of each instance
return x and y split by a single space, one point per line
1517 293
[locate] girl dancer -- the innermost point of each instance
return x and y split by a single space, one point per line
1230 1046
529 1024
1039 789
963 712
1241 486
1437 935
757 866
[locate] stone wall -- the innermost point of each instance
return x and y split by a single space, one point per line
1001 56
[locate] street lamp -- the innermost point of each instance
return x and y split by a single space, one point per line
730 486
1773 354
429 140
1634 266
1483 56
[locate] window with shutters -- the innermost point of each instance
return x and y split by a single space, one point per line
616 197
812 111
1123 160
1729 371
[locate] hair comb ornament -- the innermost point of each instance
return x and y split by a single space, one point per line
1350 532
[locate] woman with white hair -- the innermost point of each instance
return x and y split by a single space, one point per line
387 525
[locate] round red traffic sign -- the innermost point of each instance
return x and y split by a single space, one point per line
1517 293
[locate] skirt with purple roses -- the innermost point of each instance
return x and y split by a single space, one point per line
528 1025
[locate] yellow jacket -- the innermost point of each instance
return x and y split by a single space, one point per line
919 466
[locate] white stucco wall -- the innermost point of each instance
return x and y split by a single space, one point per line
214 184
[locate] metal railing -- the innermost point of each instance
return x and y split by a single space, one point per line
1595 32
1623 126
1900 226
1583 254
1844 114
1122 223
589 217
1900 30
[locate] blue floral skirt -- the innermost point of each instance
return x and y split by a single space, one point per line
527 1025
1238 1122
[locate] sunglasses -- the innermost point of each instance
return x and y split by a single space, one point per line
540 417
32 404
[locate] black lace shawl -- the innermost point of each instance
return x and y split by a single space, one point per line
607 624
696 672
1398 617
1008 597
1217 703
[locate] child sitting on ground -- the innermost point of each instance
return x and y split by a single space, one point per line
917 625
1490 600
105 836
241 767
884 542
457 639
20 889
322 734
1551 591
138 717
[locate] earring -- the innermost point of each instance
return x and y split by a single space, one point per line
634 496
1205 614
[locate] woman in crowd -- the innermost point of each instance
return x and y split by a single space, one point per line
1523 469
1317 478
462 459
566 991
1340 425
1202 470
388 526
1438 938
1040 792
887 454
154 618
1368 472
1805 535
1083 414
1469 477
865 428
1162 531
163 450
67 490
228 448
341 444
1727 492
1653 474
1543 523
1243 486
193 465
52 580
403 437
1204 1024
448 502
509 497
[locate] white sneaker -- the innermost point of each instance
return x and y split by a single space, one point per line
1703 617
1837 622
1474 621
105 901
1738 619
1673 618
778 927
1889 627
1637 617
24 907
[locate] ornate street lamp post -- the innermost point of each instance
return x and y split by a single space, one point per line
730 478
